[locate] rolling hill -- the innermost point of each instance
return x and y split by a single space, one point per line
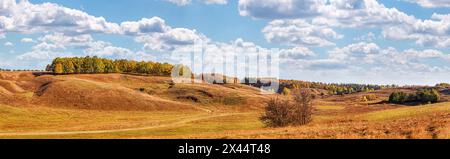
117 92
36 105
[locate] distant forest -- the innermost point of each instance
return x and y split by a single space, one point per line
11 70
87 65
332 88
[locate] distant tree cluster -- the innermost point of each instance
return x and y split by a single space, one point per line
17 70
444 85
426 95
87 65
1 69
335 89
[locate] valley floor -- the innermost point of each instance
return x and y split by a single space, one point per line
417 122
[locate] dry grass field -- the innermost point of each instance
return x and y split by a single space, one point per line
128 106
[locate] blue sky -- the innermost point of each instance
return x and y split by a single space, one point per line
348 41
219 22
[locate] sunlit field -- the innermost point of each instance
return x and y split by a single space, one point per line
129 106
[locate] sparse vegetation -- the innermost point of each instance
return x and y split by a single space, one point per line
281 113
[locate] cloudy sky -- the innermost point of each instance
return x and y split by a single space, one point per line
357 41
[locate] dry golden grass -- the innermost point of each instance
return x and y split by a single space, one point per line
396 123
127 106
328 107
39 119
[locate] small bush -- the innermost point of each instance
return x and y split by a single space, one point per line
398 97
364 99
281 113
286 91
428 96
370 97
277 113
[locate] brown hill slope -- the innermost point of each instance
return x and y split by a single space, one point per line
11 86
85 94
120 92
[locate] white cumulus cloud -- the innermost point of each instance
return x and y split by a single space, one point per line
145 25
279 9
27 40
186 2
179 2
394 24
26 17
215 1
431 3
299 32
296 53
8 44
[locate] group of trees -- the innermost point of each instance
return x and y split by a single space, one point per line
287 85
297 111
335 89
444 85
85 65
426 95
1 69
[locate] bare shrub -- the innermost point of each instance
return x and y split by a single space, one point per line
277 113
302 107
298 111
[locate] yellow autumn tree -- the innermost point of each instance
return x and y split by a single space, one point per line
58 68
286 91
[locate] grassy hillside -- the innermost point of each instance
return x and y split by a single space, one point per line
47 119
407 112
128 106
424 122
120 92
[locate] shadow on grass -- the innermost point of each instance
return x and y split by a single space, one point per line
37 74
